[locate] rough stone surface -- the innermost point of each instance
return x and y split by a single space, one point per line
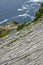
27 50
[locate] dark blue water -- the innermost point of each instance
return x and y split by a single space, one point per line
17 10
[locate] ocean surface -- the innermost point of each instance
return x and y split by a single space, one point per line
17 10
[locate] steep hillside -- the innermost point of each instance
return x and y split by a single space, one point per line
23 46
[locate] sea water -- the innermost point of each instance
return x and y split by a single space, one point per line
17 10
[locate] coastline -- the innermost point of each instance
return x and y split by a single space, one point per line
24 44
9 26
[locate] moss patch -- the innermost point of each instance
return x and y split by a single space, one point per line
3 32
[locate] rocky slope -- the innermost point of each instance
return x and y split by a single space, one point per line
24 47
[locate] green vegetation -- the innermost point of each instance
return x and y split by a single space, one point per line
12 42
38 15
16 39
14 22
42 14
20 27
3 32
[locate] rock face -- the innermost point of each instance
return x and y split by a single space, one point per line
26 50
